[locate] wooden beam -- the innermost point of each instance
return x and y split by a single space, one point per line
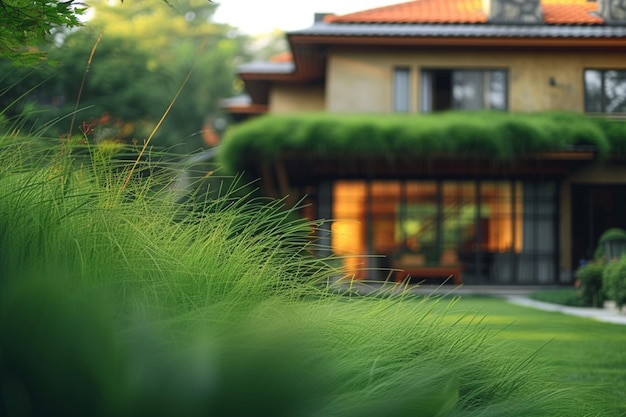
267 179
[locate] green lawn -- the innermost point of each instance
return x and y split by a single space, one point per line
583 352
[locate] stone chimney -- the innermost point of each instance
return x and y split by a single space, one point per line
319 17
612 11
515 11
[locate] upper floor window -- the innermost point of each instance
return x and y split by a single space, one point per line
605 91
401 89
459 89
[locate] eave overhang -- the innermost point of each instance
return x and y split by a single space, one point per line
417 30
463 35
280 175
309 46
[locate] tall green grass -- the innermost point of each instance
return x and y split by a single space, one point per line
117 301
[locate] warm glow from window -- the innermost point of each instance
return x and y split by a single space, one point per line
391 219
501 213
348 228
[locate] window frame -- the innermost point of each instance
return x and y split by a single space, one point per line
603 97
401 103
426 80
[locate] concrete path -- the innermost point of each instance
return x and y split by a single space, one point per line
601 314
521 295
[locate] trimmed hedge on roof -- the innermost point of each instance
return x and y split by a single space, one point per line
498 136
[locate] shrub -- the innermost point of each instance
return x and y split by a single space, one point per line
590 278
612 234
492 135
599 253
614 281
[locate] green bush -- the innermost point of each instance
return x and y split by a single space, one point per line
493 135
614 233
590 278
599 253
614 281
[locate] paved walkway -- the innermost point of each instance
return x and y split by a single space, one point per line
520 295
601 314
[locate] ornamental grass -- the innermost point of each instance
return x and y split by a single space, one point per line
117 300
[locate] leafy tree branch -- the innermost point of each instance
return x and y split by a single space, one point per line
26 24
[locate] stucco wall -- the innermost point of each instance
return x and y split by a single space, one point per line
361 82
293 99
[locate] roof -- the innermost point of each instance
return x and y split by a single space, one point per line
555 12
465 18
419 11
567 24
464 30
572 12
269 67
242 106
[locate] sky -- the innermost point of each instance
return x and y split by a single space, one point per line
254 17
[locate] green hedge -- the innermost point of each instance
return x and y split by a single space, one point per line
499 136
614 281
614 233
590 278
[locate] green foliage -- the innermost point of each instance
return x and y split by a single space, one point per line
614 233
614 281
615 131
27 24
590 278
116 301
146 51
498 136
599 253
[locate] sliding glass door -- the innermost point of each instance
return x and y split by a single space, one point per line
500 232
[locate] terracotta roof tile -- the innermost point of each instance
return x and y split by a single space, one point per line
282 57
570 12
556 12
419 11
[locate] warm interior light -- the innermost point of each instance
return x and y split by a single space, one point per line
389 218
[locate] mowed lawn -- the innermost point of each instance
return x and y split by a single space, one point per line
584 353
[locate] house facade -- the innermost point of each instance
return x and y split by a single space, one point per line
530 222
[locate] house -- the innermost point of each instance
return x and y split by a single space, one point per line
528 220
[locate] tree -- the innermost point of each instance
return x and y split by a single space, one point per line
26 24
144 55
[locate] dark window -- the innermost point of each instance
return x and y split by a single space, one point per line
446 89
605 91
